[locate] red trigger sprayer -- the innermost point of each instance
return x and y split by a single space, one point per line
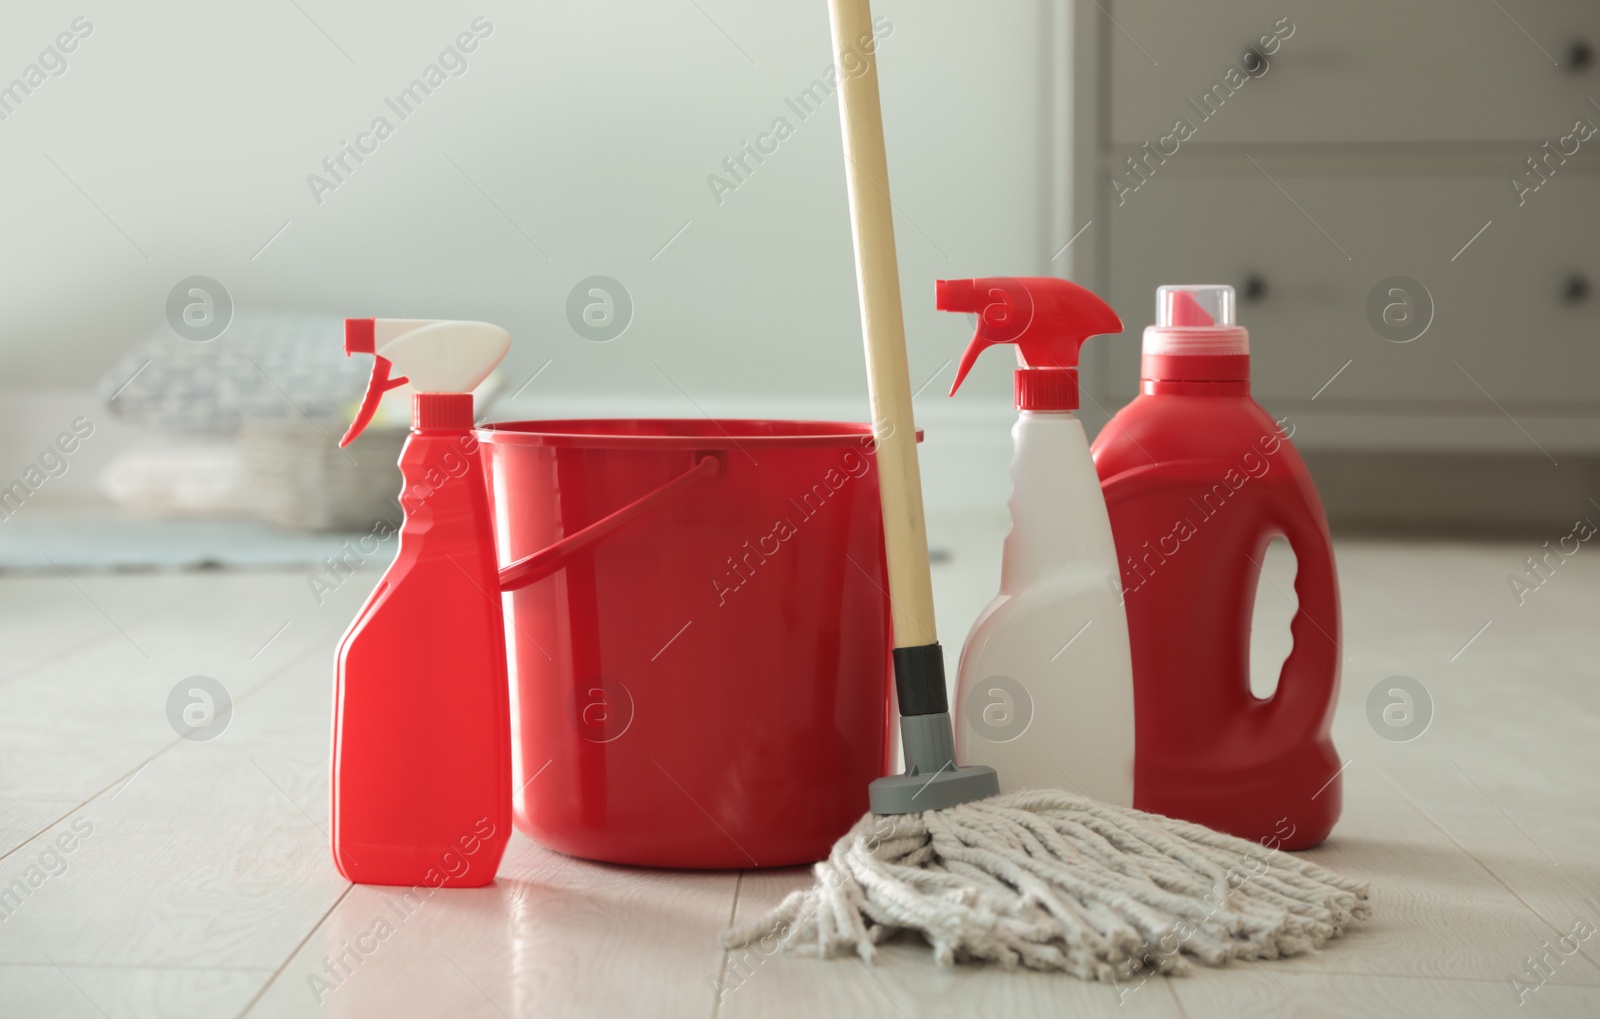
421 777
360 338
1046 683
1047 318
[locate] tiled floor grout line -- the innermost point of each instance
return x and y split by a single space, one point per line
1475 859
1279 966
1177 1002
175 742
319 644
61 655
92 797
56 657
261 992
722 973
137 966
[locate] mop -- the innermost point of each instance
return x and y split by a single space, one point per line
1042 879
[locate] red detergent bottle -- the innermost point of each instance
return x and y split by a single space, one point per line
421 777
1198 478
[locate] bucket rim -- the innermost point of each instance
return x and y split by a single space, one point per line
677 433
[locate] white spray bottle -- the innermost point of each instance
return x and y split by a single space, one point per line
1045 694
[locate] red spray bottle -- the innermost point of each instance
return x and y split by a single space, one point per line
1198 479
421 783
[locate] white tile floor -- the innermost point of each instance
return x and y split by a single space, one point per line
198 881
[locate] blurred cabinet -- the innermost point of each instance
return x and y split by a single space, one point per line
1355 71
1327 148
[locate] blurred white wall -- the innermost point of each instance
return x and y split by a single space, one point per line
179 140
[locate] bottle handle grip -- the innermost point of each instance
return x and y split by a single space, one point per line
1302 705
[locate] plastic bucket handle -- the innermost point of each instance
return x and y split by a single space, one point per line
543 563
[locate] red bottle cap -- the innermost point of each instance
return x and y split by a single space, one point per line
1047 318
441 412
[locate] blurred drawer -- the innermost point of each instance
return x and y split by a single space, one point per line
1516 310
1358 70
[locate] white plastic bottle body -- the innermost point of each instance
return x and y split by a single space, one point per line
1045 692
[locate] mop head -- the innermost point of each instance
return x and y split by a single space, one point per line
1052 881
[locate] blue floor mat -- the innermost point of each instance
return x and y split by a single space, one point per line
81 544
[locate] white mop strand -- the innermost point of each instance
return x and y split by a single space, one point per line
1052 881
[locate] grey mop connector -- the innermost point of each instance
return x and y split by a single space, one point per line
932 779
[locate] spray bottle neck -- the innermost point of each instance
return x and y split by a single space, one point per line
1045 389
441 412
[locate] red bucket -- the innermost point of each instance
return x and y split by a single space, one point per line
698 635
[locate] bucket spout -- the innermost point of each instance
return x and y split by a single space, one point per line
543 563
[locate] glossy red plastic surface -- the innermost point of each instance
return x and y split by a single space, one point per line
707 685
1045 317
359 339
1198 479
421 785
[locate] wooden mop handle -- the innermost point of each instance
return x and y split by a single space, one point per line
882 324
